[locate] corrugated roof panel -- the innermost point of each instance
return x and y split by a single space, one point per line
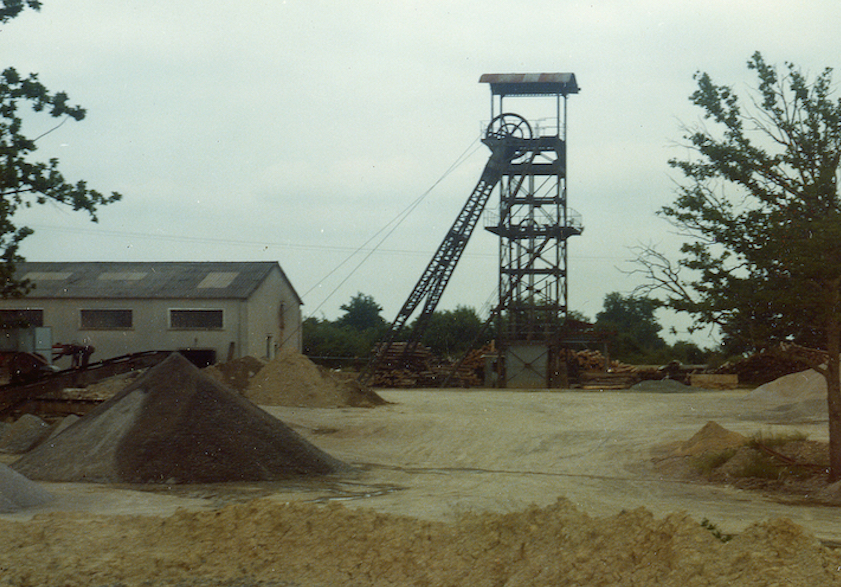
122 275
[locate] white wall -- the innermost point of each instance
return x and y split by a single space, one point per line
247 325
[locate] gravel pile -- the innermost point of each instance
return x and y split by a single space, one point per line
175 424
17 492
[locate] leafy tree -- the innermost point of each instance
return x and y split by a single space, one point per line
450 333
362 313
326 339
351 336
761 210
11 8
632 319
22 181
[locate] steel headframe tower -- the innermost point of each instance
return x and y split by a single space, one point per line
533 224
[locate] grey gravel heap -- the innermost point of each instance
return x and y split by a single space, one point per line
176 424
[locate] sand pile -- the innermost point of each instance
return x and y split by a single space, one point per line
795 387
17 492
237 373
291 379
266 542
174 424
105 389
798 397
713 437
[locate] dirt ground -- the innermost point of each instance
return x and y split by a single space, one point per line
456 470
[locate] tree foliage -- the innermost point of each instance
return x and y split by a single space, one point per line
24 182
632 319
362 313
451 333
11 8
353 335
760 209
761 203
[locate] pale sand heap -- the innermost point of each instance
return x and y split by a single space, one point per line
712 437
796 387
798 397
236 373
175 424
271 543
291 379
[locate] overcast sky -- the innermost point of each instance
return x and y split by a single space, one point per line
294 131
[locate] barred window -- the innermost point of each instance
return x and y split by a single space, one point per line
21 318
106 319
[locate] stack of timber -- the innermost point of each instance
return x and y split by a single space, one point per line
596 372
420 367
590 360
472 369
600 380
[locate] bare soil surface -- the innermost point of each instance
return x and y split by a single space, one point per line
452 487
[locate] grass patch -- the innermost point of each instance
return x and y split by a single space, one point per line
710 461
755 463
762 466
775 441
713 529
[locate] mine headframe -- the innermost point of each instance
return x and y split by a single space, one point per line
533 224
530 216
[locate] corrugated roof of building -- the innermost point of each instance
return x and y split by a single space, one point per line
530 84
152 280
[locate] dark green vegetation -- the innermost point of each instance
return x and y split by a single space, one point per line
630 321
715 531
350 338
22 181
760 210
634 333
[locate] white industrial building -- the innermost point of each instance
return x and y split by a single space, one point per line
209 311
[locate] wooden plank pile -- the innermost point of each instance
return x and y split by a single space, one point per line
422 368
591 361
602 380
401 368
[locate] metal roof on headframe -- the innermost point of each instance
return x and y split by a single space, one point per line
530 84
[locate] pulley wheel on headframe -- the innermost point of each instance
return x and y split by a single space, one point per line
508 126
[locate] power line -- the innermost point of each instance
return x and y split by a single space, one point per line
393 224
265 244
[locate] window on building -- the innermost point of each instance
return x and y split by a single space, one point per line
197 319
21 318
106 319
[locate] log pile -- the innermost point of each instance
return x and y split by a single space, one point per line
421 368
594 361
401 368
605 380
